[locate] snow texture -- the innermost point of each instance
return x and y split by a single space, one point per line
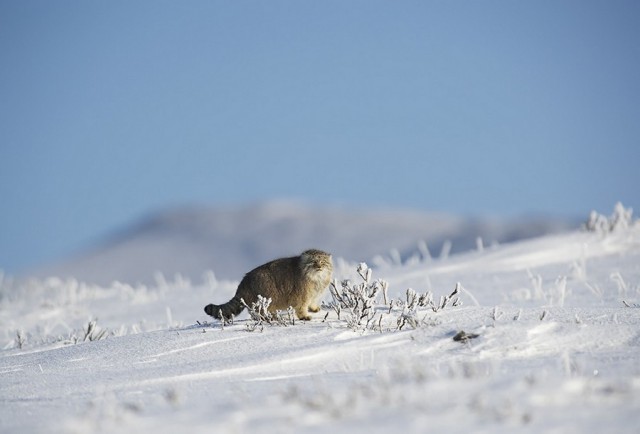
550 342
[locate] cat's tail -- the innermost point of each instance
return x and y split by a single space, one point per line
224 311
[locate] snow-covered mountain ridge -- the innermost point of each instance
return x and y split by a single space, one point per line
231 241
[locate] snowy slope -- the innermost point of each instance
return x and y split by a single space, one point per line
557 319
231 241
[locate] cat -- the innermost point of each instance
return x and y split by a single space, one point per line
297 281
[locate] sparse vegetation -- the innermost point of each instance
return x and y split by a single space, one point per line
260 315
20 339
621 218
359 301
358 304
93 333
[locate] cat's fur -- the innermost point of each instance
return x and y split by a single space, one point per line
297 282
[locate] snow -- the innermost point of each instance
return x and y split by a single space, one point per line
557 319
232 240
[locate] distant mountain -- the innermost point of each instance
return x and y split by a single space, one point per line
231 241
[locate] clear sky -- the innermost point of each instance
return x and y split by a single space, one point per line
110 110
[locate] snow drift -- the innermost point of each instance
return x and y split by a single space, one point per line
551 343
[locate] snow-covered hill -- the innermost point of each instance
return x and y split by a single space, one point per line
553 327
231 241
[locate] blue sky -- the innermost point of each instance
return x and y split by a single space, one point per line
112 110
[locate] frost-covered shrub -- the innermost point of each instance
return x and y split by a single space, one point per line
20 339
621 218
358 304
93 333
409 314
358 300
260 314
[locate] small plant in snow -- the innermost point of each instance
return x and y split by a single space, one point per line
617 278
536 283
518 315
496 314
620 219
416 301
260 314
561 290
426 299
20 339
93 333
359 304
554 295
358 300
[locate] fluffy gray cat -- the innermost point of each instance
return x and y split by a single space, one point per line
297 282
